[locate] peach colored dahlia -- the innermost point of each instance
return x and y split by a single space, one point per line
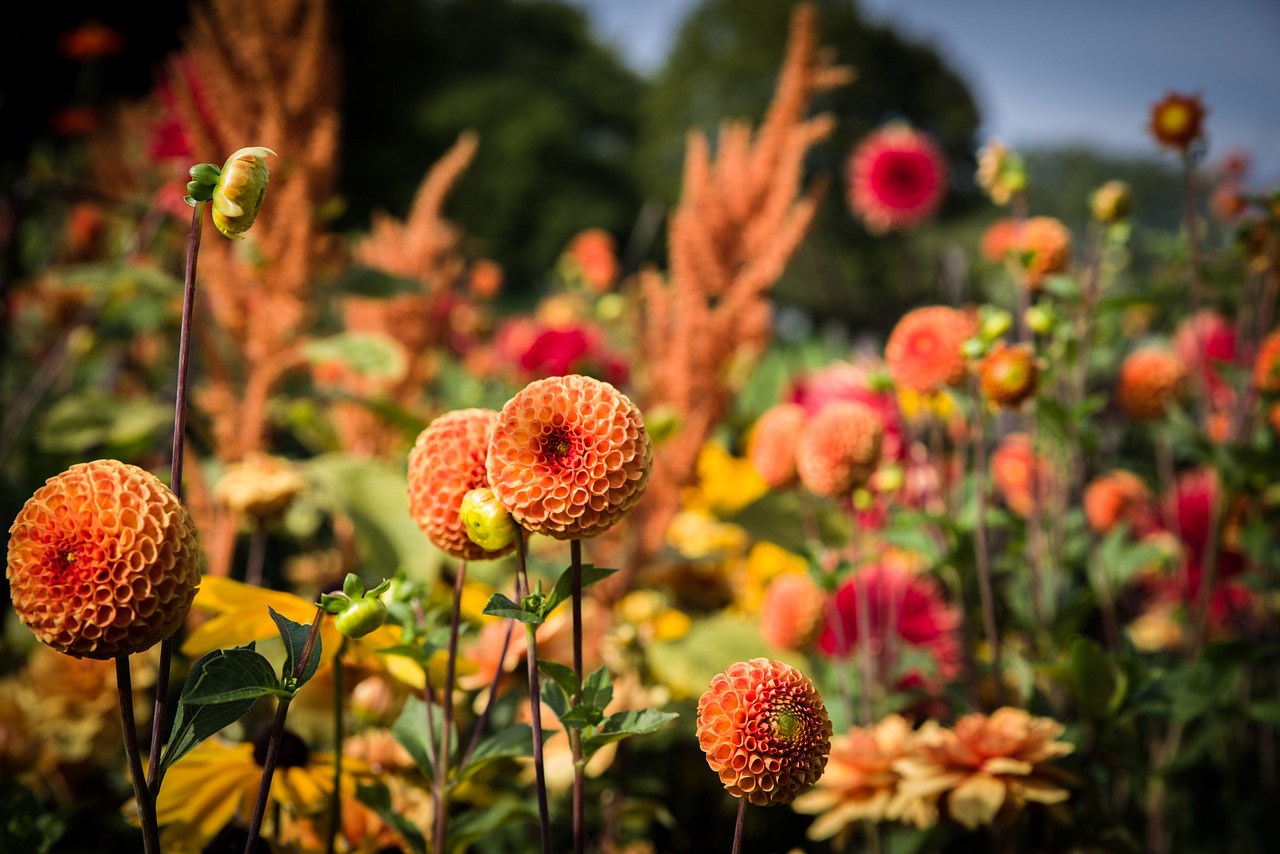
765 731
791 612
1150 378
773 443
103 561
924 351
986 766
861 782
897 178
447 462
569 457
1120 496
839 448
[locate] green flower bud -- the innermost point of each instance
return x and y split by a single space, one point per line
995 323
241 187
661 423
357 612
1112 202
1040 319
488 523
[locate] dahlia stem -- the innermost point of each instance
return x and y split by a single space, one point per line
982 553
493 694
335 799
739 825
446 699
257 553
535 699
575 735
155 773
277 730
866 666
146 800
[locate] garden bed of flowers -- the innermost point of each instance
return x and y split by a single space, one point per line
389 567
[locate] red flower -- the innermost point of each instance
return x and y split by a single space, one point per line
1120 496
1202 341
1177 121
897 179
849 381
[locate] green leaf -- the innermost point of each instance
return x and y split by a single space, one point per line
473 825
597 691
553 695
500 606
1267 712
419 655
295 636
563 675
410 729
377 797
622 725
193 723
581 717
369 282
511 742
240 673
1098 682
564 586
367 354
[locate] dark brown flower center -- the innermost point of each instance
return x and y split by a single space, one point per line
293 750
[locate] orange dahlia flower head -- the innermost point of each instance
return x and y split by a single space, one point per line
1120 496
569 457
924 352
791 612
773 444
765 731
839 448
1150 379
1177 121
103 561
1018 473
1045 244
1008 375
1266 367
447 462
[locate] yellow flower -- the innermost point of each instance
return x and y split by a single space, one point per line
764 563
696 534
726 483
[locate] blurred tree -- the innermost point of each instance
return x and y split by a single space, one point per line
724 65
555 111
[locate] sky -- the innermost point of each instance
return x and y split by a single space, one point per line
1083 71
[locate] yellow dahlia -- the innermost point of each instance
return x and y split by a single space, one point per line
765 731
447 462
861 781
773 443
986 766
103 561
839 448
1150 378
791 612
923 352
569 457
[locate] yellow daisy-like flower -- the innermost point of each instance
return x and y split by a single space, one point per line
765 562
726 483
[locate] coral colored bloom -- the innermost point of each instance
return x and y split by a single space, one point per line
839 448
765 731
987 765
861 782
591 257
1150 379
447 462
485 279
260 486
1204 341
1008 375
103 561
1017 473
1177 121
897 179
861 383
1045 244
1266 368
773 443
998 240
906 613
569 457
924 350
791 612
1120 496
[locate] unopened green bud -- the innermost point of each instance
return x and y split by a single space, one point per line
488 523
1111 202
995 323
241 187
661 423
357 612
1040 319
973 348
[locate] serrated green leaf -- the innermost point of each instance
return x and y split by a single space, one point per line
500 606
622 725
563 675
581 717
473 825
377 797
507 743
563 590
410 729
294 635
553 695
234 674
597 690
193 723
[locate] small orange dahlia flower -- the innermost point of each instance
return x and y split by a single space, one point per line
791 612
897 178
1008 374
1150 378
1266 368
998 239
447 462
861 782
839 448
1177 120
1018 473
1119 496
773 443
924 352
103 561
987 765
1046 246
765 731
569 457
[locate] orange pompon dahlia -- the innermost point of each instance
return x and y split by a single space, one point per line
839 448
861 782
1018 473
765 731
897 178
103 561
791 612
924 352
1120 496
1177 120
1150 378
1046 248
446 463
569 457
1266 368
1008 374
773 443
987 766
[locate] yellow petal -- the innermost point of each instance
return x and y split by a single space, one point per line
977 800
1006 765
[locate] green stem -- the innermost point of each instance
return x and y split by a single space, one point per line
146 801
535 701
339 731
446 699
982 551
